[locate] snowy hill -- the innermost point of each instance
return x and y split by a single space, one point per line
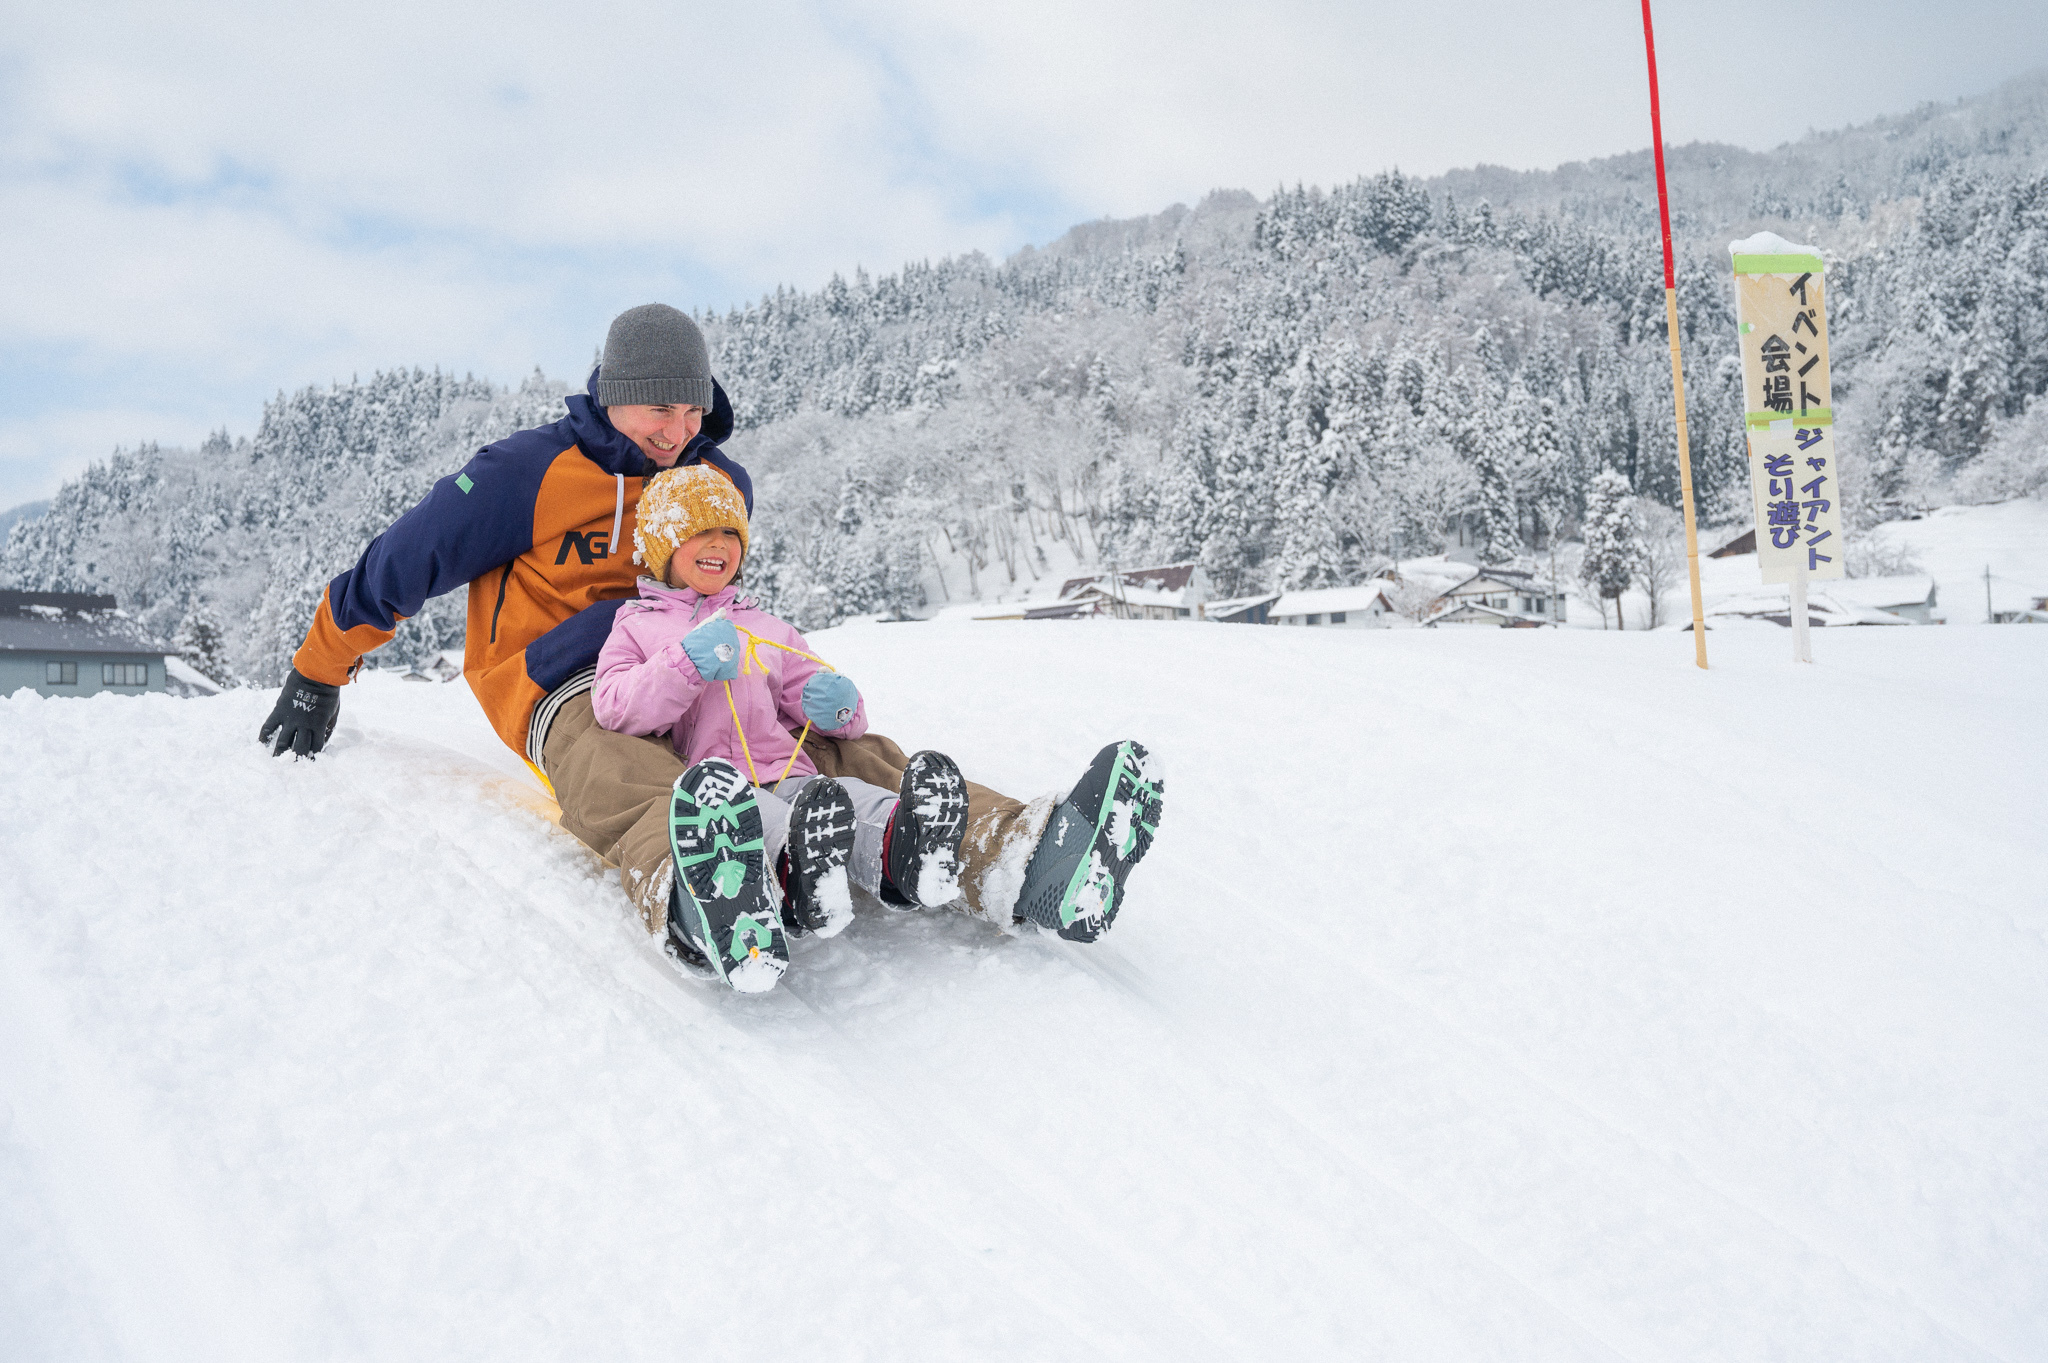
1520 995
1291 390
1957 545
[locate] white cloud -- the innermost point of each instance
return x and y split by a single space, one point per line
203 204
1134 105
37 453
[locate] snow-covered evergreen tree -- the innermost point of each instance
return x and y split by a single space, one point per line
1614 545
1500 519
202 644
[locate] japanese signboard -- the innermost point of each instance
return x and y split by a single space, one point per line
1798 501
1782 318
1781 315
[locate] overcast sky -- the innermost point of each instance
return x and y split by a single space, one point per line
203 204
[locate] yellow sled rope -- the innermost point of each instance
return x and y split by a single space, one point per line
748 663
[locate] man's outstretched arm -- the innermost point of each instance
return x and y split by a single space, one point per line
468 524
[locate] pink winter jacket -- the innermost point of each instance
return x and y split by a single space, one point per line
646 684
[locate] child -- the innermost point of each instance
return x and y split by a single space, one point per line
761 842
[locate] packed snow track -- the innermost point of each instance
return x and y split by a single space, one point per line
1509 995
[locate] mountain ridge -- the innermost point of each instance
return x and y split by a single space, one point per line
1290 390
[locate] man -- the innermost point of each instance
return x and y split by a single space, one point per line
539 525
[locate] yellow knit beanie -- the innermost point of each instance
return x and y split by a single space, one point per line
679 503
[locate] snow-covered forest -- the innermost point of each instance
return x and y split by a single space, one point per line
1292 389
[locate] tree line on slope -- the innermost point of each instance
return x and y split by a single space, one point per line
1291 391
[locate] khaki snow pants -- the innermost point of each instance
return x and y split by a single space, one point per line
614 793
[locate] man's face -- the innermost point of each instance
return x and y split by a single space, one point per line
660 429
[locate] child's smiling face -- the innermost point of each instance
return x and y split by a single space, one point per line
706 562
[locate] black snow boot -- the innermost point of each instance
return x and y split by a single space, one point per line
820 845
922 866
1074 882
677 943
723 904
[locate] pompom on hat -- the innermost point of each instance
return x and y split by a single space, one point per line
680 503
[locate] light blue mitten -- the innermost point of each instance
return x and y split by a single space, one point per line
830 700
714 647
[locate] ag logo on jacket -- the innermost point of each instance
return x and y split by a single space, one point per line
588 548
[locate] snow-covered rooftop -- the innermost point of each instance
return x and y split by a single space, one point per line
1230 605
31 626
1825 604
1323 600
183 679
1437 571
1136 596
1462 612
1882 593
1515 579
1171 579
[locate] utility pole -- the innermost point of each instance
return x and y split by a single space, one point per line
1553 574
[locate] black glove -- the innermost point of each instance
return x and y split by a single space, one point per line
303 718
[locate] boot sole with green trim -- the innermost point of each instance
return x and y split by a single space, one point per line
1074 882
715 839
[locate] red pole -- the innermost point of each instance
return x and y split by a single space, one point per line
1692 537
1657 148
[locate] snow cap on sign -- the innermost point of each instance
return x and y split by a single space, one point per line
1769 253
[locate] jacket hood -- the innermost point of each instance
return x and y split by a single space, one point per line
692 600
614 453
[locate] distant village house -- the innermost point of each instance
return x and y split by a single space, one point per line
1174 591
1363 607
1911 597
1505 598
73 644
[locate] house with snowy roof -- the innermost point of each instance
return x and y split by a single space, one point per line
1732 543
1772 605
1362 607
1435 574
1471 613
1242 610
1507 598
1905 599
1909 596
1116 601
445 666
75 644
1173 591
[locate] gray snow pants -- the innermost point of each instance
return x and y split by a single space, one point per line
873 807
614 793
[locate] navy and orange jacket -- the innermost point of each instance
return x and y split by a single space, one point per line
540 525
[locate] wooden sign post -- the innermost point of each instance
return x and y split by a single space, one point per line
1795 486
1692 534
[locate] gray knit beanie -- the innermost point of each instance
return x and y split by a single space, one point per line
654 354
